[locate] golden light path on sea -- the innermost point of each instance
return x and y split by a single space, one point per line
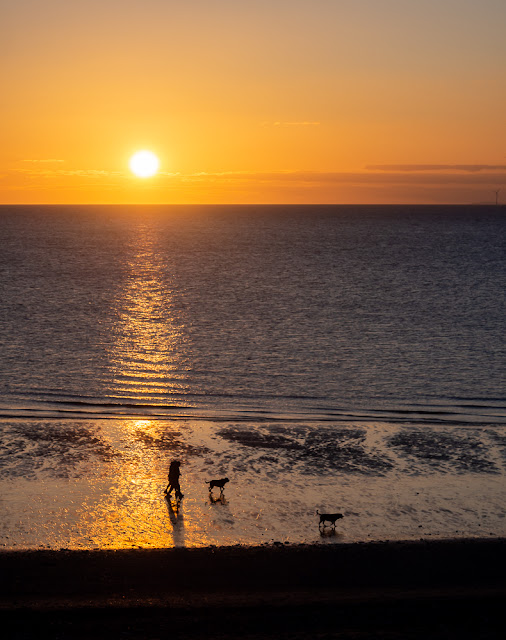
149 355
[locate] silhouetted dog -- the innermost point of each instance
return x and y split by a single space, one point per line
328 517
217 483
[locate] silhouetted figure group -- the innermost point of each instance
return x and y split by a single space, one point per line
173 485
175 474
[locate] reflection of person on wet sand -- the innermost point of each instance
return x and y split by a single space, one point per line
174 474
175 510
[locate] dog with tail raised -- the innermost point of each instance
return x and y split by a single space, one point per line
328 517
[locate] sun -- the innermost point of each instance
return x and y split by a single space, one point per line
144 164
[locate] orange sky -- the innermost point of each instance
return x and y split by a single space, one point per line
266 101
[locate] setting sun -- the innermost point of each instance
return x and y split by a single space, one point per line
144 164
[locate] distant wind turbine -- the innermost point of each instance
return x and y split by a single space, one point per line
496 197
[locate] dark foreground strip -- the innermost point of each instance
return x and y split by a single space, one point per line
438 618
430 590
155 571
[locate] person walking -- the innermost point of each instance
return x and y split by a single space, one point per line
174 474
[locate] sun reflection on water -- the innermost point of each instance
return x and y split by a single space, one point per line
148 363
149 357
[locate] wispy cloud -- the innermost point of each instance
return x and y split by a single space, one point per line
380 186
44 161
46 172
375 174
337 177
87 172
280 123
468 168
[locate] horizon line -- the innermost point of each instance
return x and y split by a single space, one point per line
252 204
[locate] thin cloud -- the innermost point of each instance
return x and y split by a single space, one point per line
35 171
320 177
88 172
468 168
304 123
44 161
465 178
486 174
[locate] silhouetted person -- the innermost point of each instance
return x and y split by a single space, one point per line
174 474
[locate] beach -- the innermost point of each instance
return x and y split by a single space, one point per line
92 549
443 589
98 484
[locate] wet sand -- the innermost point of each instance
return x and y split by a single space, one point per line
436 589
98 484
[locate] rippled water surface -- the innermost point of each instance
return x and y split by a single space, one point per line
340 358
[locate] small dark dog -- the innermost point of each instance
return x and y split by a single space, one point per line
217 483
328 517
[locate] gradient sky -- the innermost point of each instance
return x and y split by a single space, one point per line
356 101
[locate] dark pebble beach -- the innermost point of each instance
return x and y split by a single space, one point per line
425 589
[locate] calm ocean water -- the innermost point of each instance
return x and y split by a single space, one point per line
335 358
333 312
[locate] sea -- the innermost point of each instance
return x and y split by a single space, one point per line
342 358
